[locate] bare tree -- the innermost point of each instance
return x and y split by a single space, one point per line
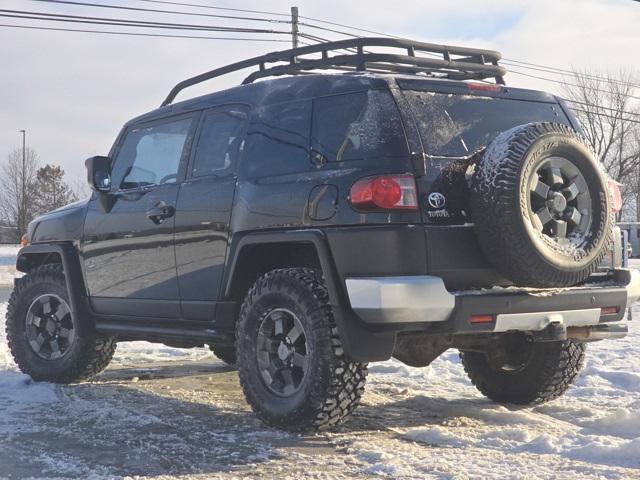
18 196
605 107
80 188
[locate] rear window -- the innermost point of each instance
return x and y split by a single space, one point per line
457 125
358 125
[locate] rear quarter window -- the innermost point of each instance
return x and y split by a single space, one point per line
355 126
278 140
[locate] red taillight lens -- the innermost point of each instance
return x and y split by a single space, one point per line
481 319
616 195
484 87
387 192
608 310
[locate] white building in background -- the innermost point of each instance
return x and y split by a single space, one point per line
633 232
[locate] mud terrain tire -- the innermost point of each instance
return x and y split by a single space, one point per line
331 388
551 370
87 355
541 206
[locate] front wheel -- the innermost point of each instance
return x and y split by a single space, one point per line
516 370
291 363
47 342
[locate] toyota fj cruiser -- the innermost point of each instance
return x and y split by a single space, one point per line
306 225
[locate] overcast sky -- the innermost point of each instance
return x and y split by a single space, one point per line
73 91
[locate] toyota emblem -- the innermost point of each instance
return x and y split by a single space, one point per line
436 200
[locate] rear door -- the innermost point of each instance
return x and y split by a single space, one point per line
128 248
204 210
457 121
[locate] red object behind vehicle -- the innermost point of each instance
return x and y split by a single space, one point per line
616 195
386 192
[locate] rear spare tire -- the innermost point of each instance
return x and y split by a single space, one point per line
541 207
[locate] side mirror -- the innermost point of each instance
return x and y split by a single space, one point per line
99 173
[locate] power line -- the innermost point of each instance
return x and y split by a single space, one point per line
622 112
135 23
184 4
548 69
318 27
125 22
29 27
153 10
560 71
321 40
605 115
326 22
563 83
600 107
526 65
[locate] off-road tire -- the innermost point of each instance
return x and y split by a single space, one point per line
550 372
226 354
332 387
502 214
89 354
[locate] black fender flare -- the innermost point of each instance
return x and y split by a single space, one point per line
32 256
360 344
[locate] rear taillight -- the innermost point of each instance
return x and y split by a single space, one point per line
616 195
24 241
386 192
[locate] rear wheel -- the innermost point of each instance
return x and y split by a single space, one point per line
516 370
47 342
292 366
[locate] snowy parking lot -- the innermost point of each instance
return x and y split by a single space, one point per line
166 413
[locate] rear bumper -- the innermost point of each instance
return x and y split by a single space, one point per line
422 302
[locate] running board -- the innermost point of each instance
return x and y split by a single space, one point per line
164 333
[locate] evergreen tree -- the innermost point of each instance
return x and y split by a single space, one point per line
51 189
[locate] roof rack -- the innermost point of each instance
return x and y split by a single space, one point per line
459 63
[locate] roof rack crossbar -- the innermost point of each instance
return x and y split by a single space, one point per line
469 63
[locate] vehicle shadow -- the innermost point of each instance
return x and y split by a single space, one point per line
420 411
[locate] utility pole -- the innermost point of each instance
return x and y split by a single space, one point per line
294 27
22 216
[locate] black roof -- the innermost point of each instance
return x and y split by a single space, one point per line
278 90
285 89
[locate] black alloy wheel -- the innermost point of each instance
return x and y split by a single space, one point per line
282 352
49 328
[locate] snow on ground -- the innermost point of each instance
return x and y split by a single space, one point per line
7 263
170 413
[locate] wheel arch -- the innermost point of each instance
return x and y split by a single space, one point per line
33 256
253 254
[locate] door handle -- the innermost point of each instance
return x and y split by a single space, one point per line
160 212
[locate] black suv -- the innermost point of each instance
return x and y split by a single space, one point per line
305 225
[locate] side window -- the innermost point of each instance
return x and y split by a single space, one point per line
278 140
219 142
358 125
151 155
